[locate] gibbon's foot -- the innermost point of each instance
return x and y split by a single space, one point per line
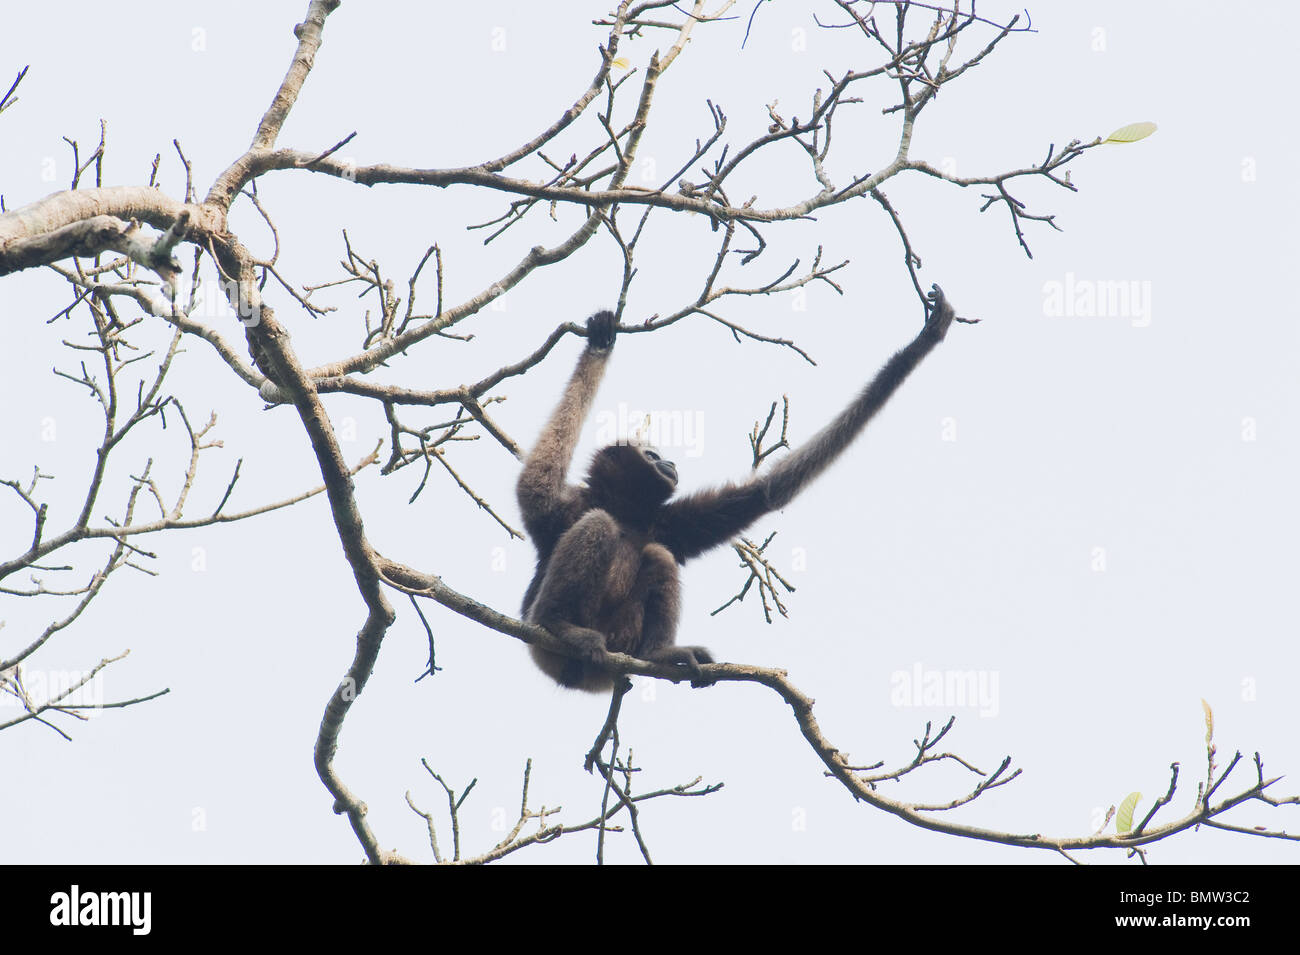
593 649
601 331
589 644
689 657
939 313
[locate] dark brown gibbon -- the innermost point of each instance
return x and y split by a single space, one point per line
608 550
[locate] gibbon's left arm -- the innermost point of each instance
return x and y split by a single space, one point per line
544 497
701 521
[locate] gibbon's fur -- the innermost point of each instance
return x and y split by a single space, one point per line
608 550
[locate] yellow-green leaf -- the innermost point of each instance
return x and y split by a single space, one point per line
1124 818
1209 722
1131 133
621 62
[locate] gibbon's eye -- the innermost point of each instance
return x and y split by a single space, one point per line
651 455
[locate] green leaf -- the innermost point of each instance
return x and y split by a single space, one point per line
1124 818
1131 133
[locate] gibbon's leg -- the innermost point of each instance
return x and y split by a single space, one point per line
656 595
657 591
569 600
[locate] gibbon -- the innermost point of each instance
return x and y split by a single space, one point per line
608 550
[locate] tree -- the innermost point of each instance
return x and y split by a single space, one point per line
682 225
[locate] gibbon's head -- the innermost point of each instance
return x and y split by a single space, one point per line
631 481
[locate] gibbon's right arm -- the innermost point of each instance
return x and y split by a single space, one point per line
698 522
542 492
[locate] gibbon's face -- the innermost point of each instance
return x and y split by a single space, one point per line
631 480
666 468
